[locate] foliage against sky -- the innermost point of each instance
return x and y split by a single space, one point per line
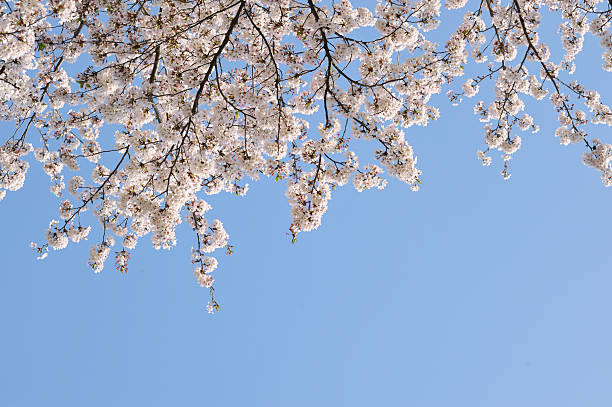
205 96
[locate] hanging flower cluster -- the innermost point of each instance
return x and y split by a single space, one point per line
207 94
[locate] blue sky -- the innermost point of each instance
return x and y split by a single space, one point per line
474 291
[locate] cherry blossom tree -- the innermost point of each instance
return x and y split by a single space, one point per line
205 95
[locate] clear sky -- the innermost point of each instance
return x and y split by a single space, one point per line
474 291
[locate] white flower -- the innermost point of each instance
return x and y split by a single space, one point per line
470 88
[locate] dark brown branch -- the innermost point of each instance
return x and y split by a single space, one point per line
213 62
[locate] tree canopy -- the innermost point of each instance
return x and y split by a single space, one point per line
205 95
